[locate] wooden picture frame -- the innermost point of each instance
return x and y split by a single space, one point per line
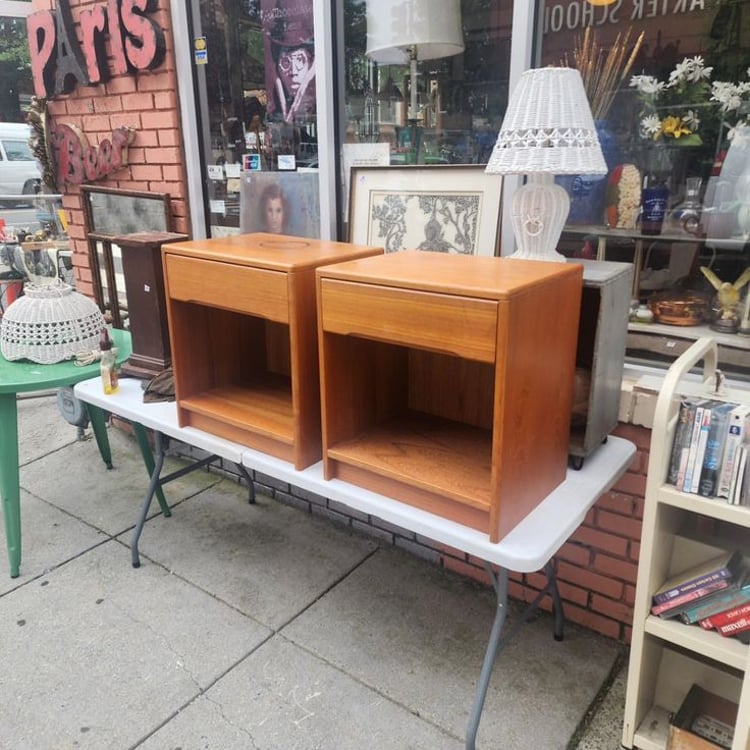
108 213
442 208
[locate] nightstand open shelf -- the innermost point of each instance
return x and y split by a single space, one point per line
459 456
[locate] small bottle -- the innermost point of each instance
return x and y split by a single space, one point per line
653 208
108 366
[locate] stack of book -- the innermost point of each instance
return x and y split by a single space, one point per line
710 450
714 595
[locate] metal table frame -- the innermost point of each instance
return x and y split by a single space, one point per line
529 547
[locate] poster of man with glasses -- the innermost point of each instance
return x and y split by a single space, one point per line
290 59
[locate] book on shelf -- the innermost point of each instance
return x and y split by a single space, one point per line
727 616
681 440
717 436
741 625
694 444
695 473
738 429
672 607
720 567
735 595
738 487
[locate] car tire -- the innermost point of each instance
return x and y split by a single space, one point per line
30 187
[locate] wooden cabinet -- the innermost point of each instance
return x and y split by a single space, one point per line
680 529
243 333
447 380
147 306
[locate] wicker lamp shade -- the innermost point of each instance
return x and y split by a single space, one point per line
548 130
50 324
548 127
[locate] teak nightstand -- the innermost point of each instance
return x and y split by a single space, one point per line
242 326
447 380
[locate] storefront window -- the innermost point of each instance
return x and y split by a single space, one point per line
452 111
673 77
256 71
669 86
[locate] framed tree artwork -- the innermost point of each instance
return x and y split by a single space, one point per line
440 208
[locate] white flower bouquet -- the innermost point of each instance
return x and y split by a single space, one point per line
672 111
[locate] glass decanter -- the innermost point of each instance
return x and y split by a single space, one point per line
686 216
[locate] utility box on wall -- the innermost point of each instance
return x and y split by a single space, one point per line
600 358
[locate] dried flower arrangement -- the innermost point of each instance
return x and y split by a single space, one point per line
603 71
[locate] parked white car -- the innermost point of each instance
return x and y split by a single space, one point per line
19 170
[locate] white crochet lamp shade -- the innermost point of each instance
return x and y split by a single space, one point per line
548 130
50 323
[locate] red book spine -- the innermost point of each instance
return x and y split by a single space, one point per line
736 627
729 615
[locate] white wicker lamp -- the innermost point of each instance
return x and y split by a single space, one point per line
49 324
401 31
548 130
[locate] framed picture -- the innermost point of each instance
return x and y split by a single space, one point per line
281 203
449 209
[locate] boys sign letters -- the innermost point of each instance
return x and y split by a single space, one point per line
59 61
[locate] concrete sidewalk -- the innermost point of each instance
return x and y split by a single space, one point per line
257 626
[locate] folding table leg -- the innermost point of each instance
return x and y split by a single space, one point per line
500 584
154 487
153 484
148 460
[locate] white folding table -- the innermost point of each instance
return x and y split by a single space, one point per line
529 547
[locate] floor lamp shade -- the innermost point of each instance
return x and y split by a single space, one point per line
548 130
398 30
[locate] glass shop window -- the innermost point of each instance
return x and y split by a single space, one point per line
258 101
668 84
425 81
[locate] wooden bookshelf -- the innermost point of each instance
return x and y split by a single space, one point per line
681 529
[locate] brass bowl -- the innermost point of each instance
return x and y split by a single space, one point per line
688 310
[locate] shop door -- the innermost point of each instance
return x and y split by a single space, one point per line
256 89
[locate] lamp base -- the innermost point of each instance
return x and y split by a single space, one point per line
538 214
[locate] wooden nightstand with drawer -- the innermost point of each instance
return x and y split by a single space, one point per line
447 380
243 334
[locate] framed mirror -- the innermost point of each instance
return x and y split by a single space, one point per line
108 213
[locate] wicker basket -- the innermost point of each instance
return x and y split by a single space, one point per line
50 324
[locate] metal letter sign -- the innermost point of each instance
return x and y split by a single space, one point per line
59 61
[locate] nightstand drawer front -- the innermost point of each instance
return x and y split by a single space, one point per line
252 291
461 326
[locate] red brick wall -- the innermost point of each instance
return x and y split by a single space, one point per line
597 567
146 101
